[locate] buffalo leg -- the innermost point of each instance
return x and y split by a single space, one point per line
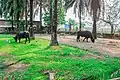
19 40
25 40
29 39
87 39
84 39
78 38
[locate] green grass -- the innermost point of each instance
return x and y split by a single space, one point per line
5 36
63 60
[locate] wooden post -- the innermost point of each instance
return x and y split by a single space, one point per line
51 75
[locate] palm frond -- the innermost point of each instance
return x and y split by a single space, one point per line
95 7
69 3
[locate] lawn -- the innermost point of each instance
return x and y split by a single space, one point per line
67 62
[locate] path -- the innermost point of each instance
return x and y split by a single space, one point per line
102 46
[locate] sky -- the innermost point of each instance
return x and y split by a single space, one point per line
70 14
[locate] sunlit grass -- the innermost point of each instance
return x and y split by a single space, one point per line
61 59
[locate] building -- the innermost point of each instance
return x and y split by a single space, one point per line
5 26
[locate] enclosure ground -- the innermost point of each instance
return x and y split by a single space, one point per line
102 46
20 61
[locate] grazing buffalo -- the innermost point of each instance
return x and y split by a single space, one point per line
86 34
22 34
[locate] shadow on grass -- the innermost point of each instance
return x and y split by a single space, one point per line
6 66
46 48
1 64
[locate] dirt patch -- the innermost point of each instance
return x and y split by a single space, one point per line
16 67
13 70
88 56
4 54
110 47
11 65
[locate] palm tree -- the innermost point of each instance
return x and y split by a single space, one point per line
43 4
31 20
1 9
26 21
51 14
53 24
93 6
40 15
78 4
13 9
12 20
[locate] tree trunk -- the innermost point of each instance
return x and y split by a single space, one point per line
79 23
12 24
1 11
51 16
18 28
94 29
41 16
111 25
26 21
18 15
80 17
12 20
54 41
111 30
70 27
31 20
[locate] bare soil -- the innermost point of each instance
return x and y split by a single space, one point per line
110 47
17 67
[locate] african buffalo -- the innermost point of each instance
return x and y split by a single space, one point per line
86 34
22 34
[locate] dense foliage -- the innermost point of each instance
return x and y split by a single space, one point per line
60 14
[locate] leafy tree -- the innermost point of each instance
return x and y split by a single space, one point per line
94 7
46 19
43 5
79 8
22 27
112 15
60 14
12 9
71 22
61 18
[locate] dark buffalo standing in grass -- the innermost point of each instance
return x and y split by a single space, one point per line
22 34
86 35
